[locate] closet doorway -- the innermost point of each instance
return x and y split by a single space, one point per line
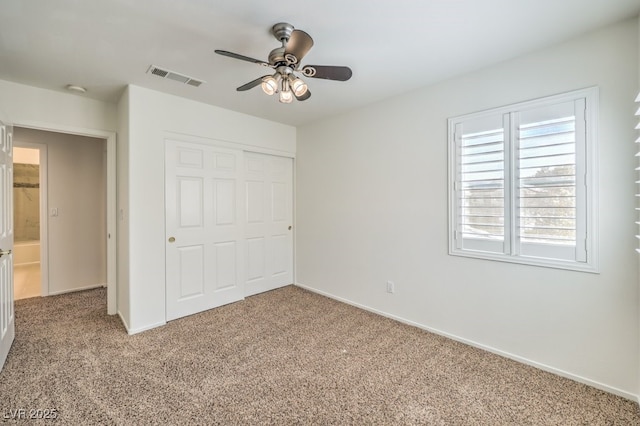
229 221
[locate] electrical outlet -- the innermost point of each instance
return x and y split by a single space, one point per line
391 287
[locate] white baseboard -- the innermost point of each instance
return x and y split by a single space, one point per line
71 290
131 331
124 322
562 373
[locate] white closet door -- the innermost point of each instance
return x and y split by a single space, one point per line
204 227
268 227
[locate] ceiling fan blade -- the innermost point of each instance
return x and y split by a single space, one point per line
299 44
251 84
304 97
328 72
242 57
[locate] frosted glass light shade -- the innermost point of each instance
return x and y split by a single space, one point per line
286 96
298 86
269 85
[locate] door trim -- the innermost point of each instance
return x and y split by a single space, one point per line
185 137
112 206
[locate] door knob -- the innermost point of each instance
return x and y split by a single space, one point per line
289 227
171 239
3 252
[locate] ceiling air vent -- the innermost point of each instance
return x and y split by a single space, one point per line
171 75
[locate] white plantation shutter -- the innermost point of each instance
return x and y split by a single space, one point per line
522 184
481 184
482 180
547 182
550 169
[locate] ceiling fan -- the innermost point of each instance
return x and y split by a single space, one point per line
285 60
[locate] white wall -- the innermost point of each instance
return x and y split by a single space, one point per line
76 187
154 116
21 104
372 206
123 293
32 107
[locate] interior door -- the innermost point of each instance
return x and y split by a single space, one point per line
204 228
7 323
269 221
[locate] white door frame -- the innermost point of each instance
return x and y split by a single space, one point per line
112 206
44 209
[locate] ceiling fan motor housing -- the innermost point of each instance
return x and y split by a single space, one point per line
282 31
277 56
284 70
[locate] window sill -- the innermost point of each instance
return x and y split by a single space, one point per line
529 261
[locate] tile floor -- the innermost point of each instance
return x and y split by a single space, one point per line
26 281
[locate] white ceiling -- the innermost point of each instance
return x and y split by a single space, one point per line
391 46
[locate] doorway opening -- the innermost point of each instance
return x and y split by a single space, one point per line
72 212
27 201
109 212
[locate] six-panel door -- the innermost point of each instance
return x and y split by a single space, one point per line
228 225
269 237
7 317
204 232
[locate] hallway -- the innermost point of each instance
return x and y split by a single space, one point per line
26 281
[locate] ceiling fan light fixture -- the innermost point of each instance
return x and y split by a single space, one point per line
286 95
298 86
285 60
269 85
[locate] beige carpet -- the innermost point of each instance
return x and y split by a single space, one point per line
284 357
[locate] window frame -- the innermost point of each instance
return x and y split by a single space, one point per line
586 184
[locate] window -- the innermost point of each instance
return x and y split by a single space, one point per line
522 182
